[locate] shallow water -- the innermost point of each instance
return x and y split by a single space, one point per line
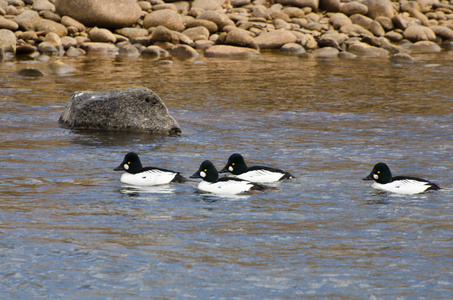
70 229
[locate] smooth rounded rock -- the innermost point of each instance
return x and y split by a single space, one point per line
292 48
231 51
101 35
325 52
167 18
275 39
7 41
101 13
184 52
419 33
363 49
401 58
424 47
240 37
133 110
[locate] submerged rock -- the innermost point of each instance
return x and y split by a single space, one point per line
134 110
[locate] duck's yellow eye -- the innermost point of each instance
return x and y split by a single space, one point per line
205 170
379 172
128 162
232 164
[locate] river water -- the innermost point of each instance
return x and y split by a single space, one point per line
69 229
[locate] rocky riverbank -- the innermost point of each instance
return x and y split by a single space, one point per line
186 29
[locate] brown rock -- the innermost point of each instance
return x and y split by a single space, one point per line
7 41
208 4
377 8
241 38
443 32
330 5
363 49
101 13
93 47
51 26
275 39
8 24
325 52
165 17
424 47
230 51
352 8
68 21
419 33
339 19
184 52
209 25
101 35
354 30
313 4
221 20
197 32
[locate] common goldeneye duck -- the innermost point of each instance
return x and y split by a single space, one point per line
236 166
399 184
211 182
148 176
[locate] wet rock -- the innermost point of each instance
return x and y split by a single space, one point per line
346 55
167 18
8 24
7 41
101 35
94 47
292 48
163 34
102 13
230 51
401 58
133 110
424 47
128 51
325 52
32 72
68 42
363 49
60 68
48 48
275 39
203 44
23 48
72 51
363 21
419 33
241 38
184 52
155 51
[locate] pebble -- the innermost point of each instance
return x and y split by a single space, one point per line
184 30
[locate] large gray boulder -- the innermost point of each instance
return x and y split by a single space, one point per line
134 110
102 13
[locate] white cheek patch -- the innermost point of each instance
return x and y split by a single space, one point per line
126 167
375 176
202 174
230 168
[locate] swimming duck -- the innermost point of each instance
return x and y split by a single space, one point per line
136 174
260 174
399 184
211 182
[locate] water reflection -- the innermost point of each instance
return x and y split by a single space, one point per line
64 211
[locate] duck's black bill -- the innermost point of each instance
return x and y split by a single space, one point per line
369 177
119 168
224 170
196 175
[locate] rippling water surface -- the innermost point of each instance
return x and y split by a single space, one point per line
69 229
